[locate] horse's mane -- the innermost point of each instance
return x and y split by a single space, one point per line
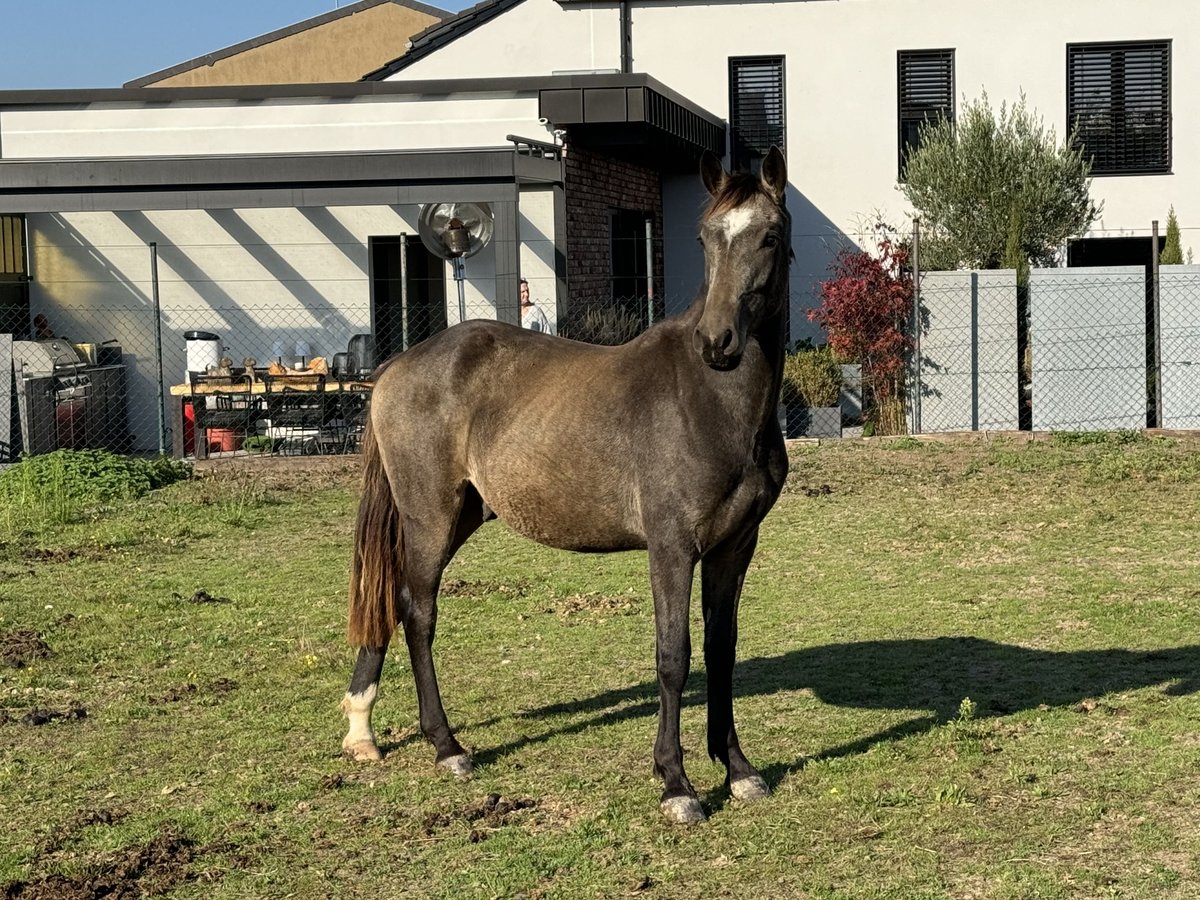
735 190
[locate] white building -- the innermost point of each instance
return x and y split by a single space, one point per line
281 211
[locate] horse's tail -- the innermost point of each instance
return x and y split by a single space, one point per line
378 554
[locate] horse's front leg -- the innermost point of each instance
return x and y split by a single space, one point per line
722 573
671 581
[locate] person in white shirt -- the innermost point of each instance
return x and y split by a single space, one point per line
532 317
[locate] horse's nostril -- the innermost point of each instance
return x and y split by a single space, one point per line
725 340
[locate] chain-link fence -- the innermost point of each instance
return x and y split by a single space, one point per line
221 353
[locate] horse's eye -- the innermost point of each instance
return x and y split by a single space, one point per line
771 240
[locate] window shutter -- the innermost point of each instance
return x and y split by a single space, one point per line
757 108
925 92
1119 103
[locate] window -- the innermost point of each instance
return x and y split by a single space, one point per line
14 279
629 264
756 109
1119 102
925 91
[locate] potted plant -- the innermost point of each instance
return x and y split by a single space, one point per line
812 386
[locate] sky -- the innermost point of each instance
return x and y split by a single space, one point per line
105 43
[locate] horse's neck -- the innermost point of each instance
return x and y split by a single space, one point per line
772 338
755 403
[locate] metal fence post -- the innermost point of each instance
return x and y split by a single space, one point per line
649 271
916 325
403 291
1154 306
162 412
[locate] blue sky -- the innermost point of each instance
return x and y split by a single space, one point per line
104 43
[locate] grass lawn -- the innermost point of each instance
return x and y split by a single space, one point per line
967 669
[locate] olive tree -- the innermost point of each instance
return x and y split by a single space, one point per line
996 191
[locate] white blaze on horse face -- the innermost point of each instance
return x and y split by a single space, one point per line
736 221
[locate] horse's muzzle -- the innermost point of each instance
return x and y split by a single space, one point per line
722 352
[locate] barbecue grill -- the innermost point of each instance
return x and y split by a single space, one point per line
52 390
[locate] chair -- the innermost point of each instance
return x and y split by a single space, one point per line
299 413
353 403
226 406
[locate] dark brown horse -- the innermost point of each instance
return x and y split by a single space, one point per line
668 443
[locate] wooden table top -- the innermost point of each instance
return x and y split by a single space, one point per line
297 382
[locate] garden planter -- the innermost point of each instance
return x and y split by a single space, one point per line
224 440
852 393
816 422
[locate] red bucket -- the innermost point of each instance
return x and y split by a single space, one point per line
224 440
189 428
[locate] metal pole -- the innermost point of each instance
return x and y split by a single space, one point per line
649 271
916 320
162 411
459 277
403 291
1154 306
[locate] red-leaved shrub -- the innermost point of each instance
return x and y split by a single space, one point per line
866 311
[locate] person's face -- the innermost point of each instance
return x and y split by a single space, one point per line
525 295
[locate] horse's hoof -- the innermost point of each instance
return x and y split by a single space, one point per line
682 810
460 765
753 787
362 751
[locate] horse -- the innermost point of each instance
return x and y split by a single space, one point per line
669 443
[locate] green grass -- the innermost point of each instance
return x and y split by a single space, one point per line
968 670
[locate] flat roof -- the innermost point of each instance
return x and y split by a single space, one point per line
442 87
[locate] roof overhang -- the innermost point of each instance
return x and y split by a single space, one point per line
290 180
633 117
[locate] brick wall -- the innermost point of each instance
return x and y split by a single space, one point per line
595 186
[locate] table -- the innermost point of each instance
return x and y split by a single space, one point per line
185 392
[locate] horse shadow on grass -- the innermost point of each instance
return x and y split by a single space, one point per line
933 674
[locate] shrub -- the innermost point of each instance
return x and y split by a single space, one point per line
866 309
811 378
1172 254
609 325
258 443
68 478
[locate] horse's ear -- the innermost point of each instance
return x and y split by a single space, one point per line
712 172
774 174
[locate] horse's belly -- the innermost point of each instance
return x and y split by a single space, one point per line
589 518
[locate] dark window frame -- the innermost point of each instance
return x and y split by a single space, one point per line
1125 134
749 141
909 112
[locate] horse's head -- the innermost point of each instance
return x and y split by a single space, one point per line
747 236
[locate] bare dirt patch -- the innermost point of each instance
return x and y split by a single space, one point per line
68 830
147 870
595 605
456 587
491 812
286 473
201 596
35 718
20 647
51 554
189 690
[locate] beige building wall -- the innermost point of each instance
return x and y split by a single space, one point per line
343 49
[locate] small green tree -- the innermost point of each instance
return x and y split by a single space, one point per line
1172 254
974 181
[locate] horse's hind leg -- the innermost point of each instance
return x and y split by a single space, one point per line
721 575
359 742
429 546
